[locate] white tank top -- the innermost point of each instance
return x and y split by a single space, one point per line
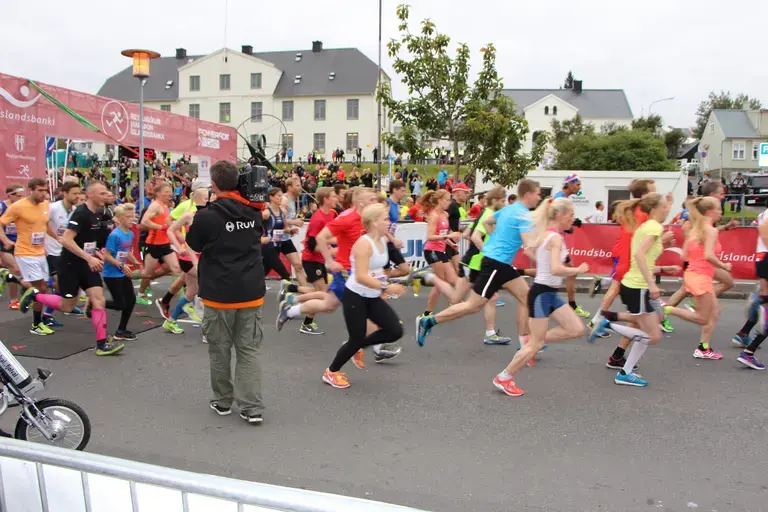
544 263
375 268
763 217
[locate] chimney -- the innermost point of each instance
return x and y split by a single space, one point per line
577 86
247 49
181 53
317 46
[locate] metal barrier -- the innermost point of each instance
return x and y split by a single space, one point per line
35 477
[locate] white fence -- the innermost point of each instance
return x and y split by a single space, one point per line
40 478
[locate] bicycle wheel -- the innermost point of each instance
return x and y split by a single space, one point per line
67 420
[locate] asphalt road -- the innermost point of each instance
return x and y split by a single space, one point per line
429 430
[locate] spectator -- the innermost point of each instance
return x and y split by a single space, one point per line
511 199
478 207
598 216
367 178
416 186
739 187
432 183
442 177
409 202
416 213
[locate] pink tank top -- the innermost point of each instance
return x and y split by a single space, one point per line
697 262
442 229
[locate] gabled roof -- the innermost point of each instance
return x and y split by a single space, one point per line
735 124
354 73
591 103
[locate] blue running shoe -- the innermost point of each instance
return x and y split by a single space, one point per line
741 341
497 339
629 380
749 360
423 328
500 303
51 322
598 329
282 315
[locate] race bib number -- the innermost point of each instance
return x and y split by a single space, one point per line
121 256
278 235
89 248
60 230
10 229
380 275
38 238
443 232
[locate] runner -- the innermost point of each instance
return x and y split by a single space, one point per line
117 275
513 230
439 238
460 194
14 192
288 207
80 266
639 291
362 295
553 218
31 218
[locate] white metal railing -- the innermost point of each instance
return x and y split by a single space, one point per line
40 478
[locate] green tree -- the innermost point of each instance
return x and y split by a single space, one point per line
624 150
721 100
568 83
674 141
563 130
444 105
408 140
651 124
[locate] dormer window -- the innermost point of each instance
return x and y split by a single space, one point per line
169 84
297 79
298 57
546 111
331 75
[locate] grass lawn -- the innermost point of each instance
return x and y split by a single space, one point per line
746 213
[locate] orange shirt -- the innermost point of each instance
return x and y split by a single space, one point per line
159 236
31 226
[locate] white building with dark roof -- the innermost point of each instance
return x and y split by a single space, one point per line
318 99
731 141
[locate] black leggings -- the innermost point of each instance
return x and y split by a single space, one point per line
123 298
271 259
358 309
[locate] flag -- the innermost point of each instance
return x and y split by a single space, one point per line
50 146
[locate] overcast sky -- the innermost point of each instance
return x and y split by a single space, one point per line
652 49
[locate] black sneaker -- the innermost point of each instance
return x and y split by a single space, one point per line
125 336
221 411
618 364
252 417
386 353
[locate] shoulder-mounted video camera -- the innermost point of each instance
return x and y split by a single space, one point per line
253 183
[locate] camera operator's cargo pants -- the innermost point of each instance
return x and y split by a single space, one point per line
241 328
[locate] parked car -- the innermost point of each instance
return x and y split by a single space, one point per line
756 184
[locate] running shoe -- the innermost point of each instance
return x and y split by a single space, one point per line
51 321
386 353
84 297
336 379
618 364
290 298
497 339
124 336
143 300
14 305
525 339
630 379
500 303
707 354
423 328
148 291
27 299
690 305
596 286
189 309
507 386
109 349
666 326
163 309
597 329
748 359
41 329
252 417
282 316
310 329
203 339
359 359
741 341
602 335
284 283
423 273
580 312
220 409
172 327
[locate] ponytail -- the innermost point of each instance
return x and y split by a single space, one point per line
431 198
625 210
697 208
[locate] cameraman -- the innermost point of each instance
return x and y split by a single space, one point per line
227 234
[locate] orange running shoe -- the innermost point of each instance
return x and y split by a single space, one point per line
359 359
507 386
14 305
336 379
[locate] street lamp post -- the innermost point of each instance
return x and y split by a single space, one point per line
141 60
650 108
378 140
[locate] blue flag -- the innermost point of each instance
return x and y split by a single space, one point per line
50 146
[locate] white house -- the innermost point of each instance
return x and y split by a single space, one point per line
308 100
732 139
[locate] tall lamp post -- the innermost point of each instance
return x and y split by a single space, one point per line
378 140
141 60
650 108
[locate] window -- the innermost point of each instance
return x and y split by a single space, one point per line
165 108
288 110
255 80
319 142
223 82
755 150
352 142
288 141
256 111
194 110
617 195
546 111
319 110
738 150
554 111
224 112
353 109
194 82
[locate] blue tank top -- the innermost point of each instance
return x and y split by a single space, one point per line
10 229
275 227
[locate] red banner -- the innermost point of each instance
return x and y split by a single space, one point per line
27 117
592 244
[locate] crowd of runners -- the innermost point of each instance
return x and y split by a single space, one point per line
57 254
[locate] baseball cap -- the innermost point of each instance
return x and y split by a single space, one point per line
571 178
200 183
461 186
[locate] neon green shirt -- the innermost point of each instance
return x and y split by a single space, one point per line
634 278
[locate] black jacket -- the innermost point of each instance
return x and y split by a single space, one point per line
227 235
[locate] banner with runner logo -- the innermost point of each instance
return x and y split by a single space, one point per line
27 117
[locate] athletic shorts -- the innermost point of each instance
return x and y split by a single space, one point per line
761 266
159 252
395 255
338 283
543 300
186 265
33 268
450 251
637 300
286 247
76 276
433 257
492 276
698 284
53 264
315 271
